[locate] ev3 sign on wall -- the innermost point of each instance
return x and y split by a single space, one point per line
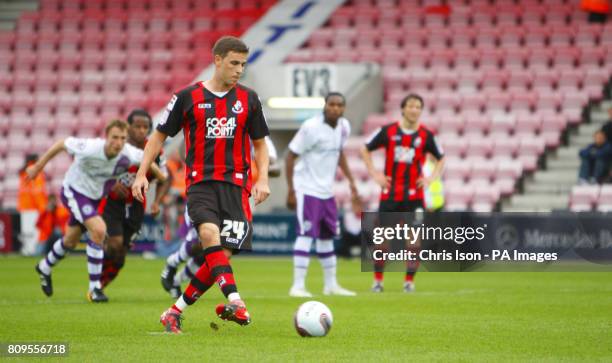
311 79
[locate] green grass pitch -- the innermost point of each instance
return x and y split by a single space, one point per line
451 317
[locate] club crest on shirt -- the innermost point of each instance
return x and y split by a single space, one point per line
237 108
417 142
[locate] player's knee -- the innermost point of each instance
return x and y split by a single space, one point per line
209 236
97 234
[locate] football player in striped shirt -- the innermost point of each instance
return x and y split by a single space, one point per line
406 144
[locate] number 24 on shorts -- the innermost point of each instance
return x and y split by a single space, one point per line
232 227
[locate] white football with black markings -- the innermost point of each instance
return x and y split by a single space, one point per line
313 319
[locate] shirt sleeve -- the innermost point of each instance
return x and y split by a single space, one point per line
272 154
257 126
377 139
346 132
433 147
171 121
301 142
134 154
77 146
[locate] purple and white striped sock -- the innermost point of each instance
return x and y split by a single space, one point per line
183 253
187 273
57 252
301 260
95 256
327 257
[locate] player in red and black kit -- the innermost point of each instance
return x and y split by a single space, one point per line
122 214
406 145
220 119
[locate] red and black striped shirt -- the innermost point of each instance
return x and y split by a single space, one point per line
405 154
218 132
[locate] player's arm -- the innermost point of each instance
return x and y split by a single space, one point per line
433 148
377 140
435 173
379 177
347 173
152 149
33 170
261 189
289 165
160 192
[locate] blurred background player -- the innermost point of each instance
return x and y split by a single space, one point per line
406 144
122 214
318 145
190 250
220 118
51 224
97 163
31 202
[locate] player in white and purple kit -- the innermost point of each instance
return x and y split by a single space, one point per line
97 163
318 145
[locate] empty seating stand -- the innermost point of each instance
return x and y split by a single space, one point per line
73 65
501 80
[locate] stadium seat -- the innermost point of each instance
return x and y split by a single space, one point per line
583 197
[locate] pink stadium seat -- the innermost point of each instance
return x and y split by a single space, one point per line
458 197
502 122
519 81
515 58
552 138
540 59
531 145
566 57
484 170
584 195
506 186
485 197
529 162
459 170
571 78
493 81
453 145
528 125
506 147
479 147
604 202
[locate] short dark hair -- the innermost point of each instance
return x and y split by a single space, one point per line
120 124
412 96
139 112
335 94
228 44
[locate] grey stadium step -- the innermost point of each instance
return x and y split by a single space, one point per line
563 163
555 176
548 188
539 201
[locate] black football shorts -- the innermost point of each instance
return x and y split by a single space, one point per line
227 206
123 219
